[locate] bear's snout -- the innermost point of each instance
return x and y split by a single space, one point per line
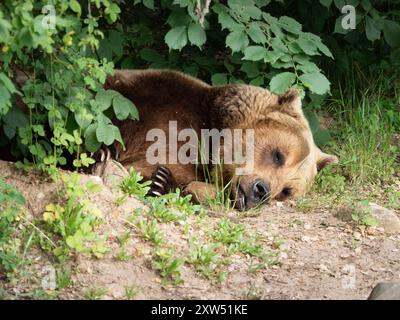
251 194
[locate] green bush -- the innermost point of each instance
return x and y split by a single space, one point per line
53 108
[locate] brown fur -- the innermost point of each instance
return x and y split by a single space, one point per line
278 121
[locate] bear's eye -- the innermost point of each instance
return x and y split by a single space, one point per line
285 193
278 158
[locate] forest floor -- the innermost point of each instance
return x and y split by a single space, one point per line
306 254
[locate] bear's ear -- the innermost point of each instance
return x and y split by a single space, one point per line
324 159
290 101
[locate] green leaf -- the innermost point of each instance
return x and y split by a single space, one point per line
14 119
256 33
123 107
7 83
237 40
91 142
391 31
178 18
250 68
115 41
149 4
289 24
176 38
219 79
372 30
196 34
321 136
316 82
282 81
307 46
75 7
104 98
151 55
227 21
105 133
5 27
255 53
326 3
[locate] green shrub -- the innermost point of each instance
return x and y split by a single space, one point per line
59 73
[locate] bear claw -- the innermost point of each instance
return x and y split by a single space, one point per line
160 182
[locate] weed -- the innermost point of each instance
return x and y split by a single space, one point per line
11 202
63 278
150 231
122 255
161 212
393 197
253 293
330 182
366 152
95 293
182 203
124 238
206 258
75 221
130 293
133 184
168 265
363 215
228 232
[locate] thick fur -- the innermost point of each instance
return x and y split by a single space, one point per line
278 121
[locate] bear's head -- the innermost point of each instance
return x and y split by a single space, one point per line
286 159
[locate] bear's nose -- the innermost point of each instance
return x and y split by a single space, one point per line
260 191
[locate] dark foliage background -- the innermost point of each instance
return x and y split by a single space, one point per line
55 75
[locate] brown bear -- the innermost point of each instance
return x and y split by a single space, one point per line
285 158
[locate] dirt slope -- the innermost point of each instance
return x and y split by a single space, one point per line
321 257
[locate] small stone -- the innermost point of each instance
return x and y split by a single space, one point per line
307 226
323 268
387 219
305 238
40 196
386 291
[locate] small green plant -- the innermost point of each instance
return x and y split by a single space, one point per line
131 292
328 181
182 203
74 220
168 265
161 212
133 184
150 231
393 198
95 293
63 278
366 152
11 202
221 200
122 255
124 238
206 258
253 293
228 232
363 215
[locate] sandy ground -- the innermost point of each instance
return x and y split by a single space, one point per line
321 256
